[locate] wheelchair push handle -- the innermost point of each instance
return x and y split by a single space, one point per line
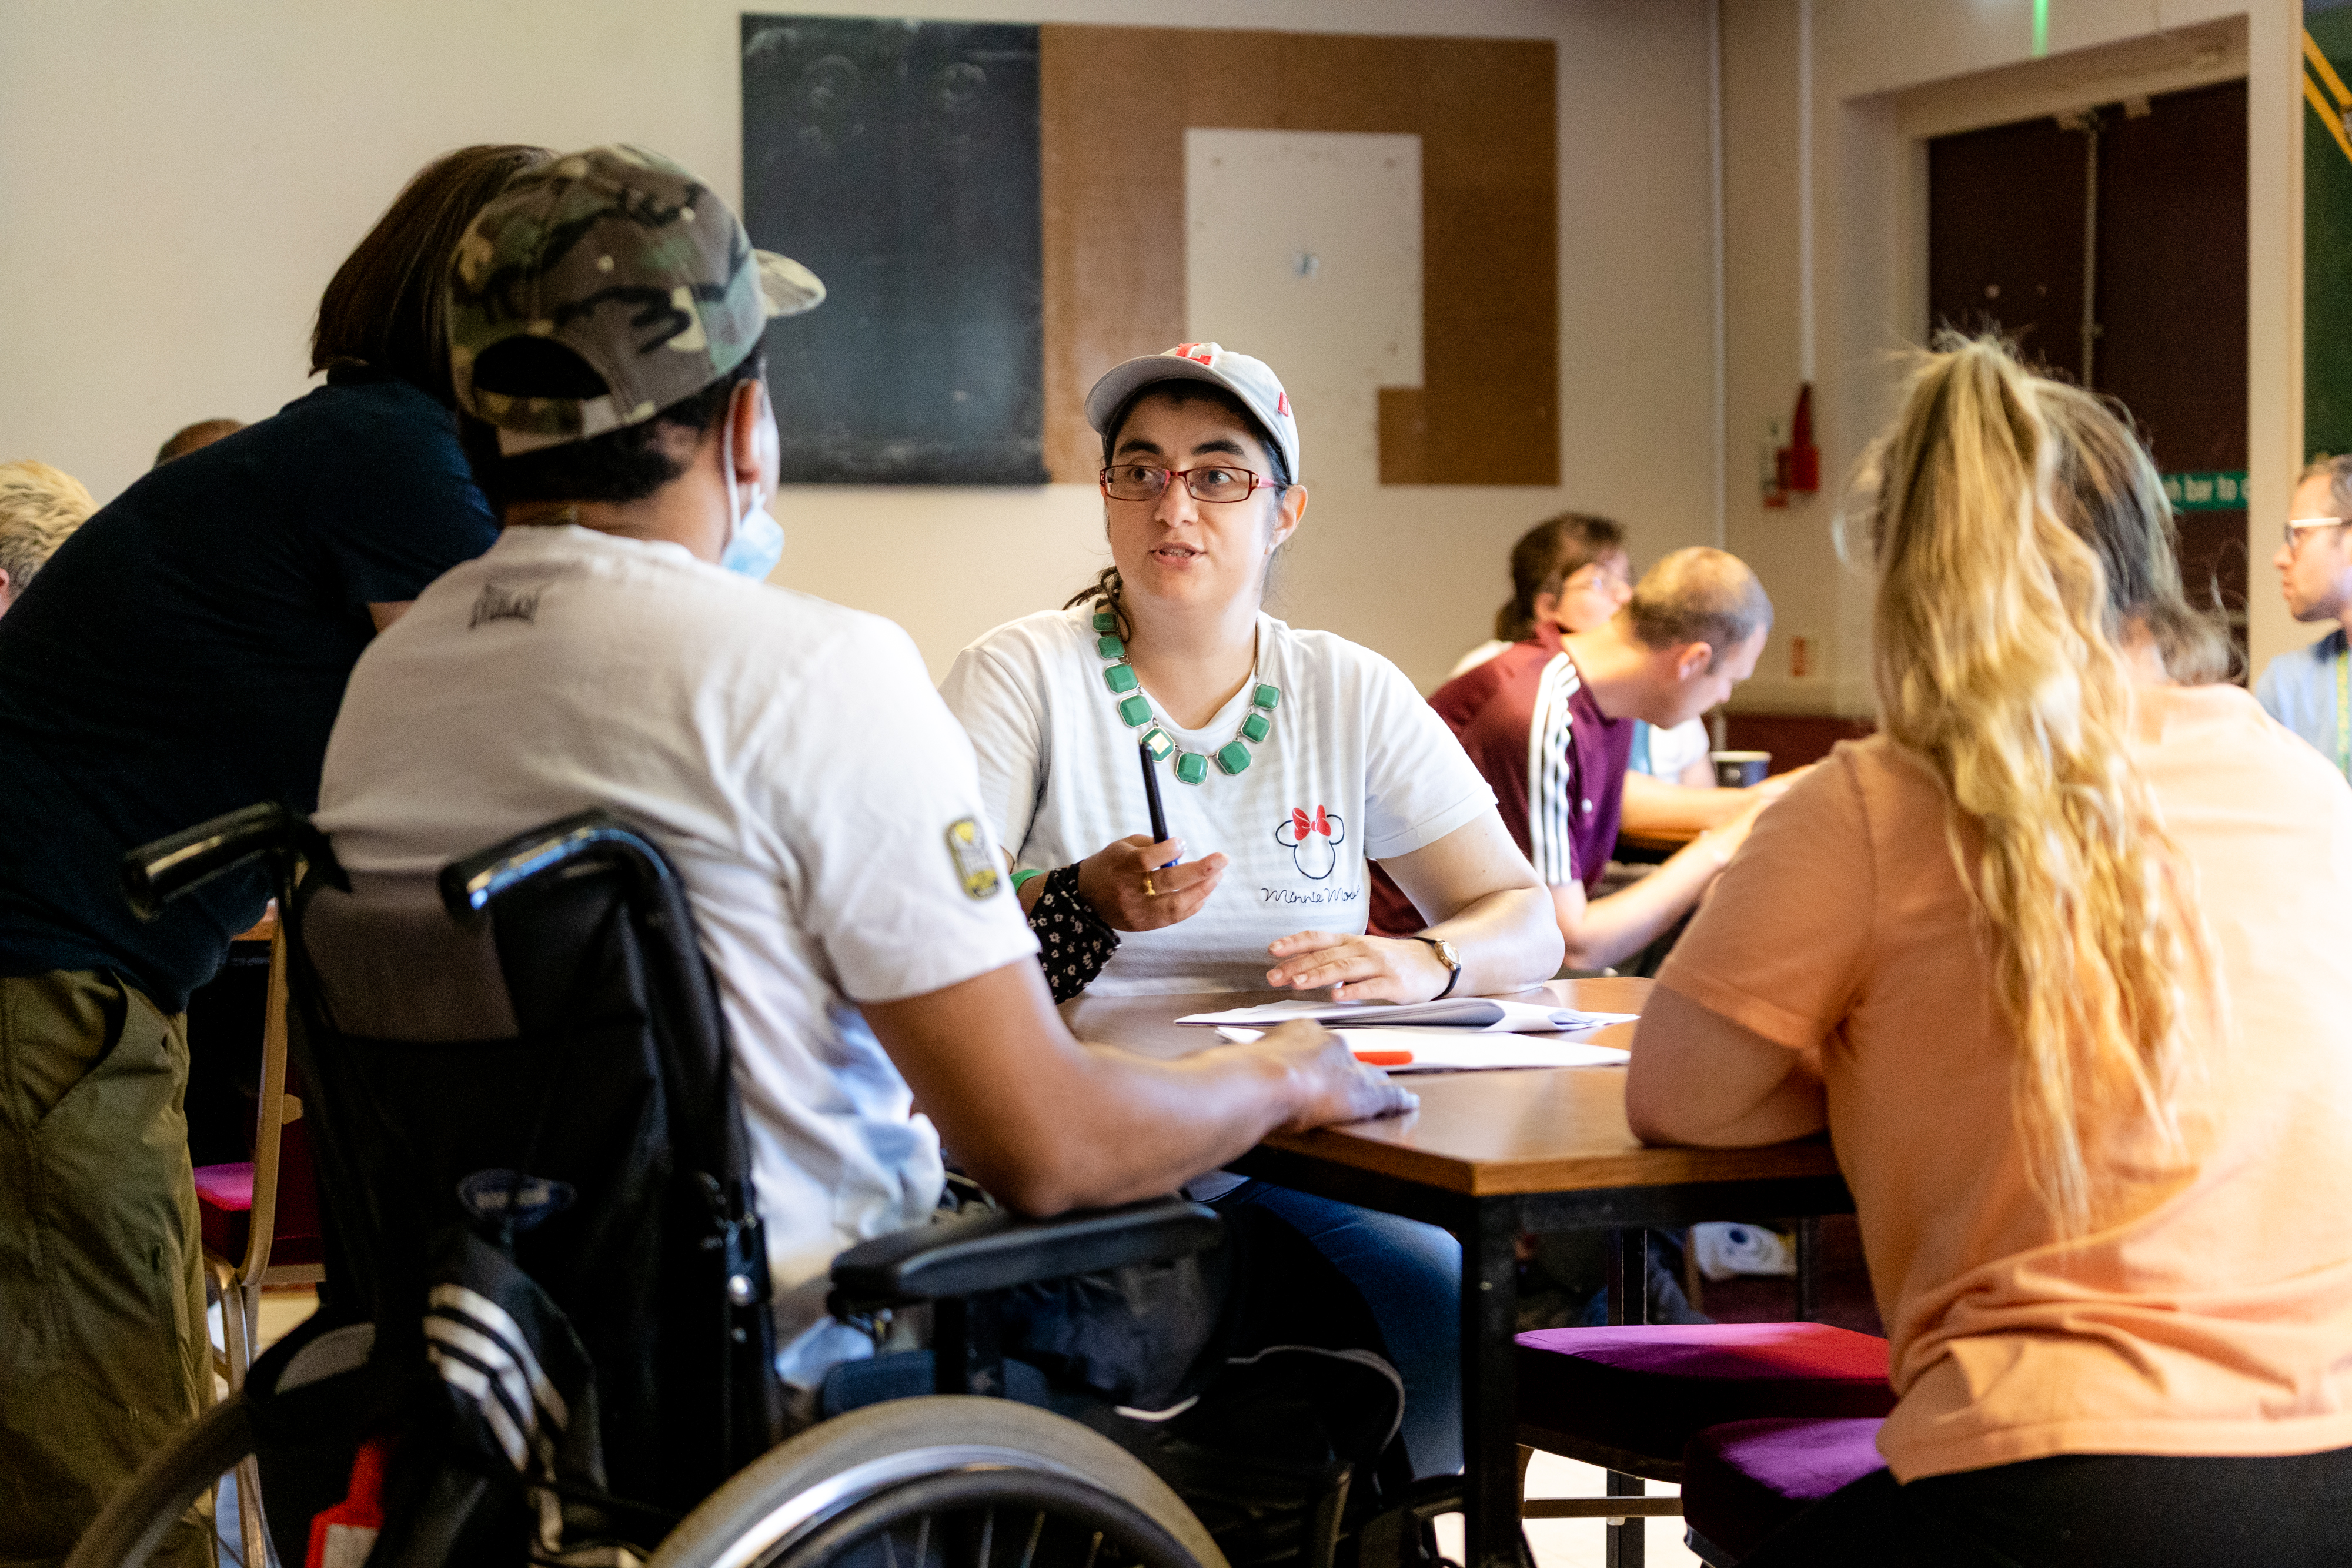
153 875
469 886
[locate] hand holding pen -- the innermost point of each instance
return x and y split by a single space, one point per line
1137 883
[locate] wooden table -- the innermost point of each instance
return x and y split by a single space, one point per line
1490 1155
1661 842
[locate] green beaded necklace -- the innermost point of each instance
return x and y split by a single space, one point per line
1135 708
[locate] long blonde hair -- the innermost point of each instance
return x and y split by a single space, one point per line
1998 662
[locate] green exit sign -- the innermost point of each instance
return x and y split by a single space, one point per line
2205 492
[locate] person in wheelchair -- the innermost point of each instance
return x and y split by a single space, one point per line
619 648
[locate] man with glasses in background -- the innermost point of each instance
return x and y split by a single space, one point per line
2310 690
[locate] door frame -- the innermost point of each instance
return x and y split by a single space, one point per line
1883 145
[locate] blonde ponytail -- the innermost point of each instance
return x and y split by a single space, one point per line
1997 664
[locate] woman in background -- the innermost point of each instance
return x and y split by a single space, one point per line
1572 571
2057 958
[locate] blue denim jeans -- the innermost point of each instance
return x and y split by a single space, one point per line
1409 1276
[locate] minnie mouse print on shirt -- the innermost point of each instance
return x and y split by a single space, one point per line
1313 841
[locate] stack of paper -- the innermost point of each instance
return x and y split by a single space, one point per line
1463 1013
1458 1050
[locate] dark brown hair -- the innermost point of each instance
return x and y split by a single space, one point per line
1106 588
193 437
383 305
1546 555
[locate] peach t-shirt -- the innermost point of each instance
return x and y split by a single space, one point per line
2209 1308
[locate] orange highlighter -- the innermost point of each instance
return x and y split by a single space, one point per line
1385 1058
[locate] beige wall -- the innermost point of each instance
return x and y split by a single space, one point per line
181 181
1887 75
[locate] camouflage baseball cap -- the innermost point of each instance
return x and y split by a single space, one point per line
633 264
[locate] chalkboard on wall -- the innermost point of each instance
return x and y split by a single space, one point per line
899 160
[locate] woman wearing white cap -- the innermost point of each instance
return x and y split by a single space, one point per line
1288 759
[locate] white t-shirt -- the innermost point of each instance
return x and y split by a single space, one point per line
790 757
1672 750
1357 765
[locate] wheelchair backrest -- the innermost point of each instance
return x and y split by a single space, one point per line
547 1076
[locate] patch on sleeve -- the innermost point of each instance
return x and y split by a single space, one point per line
975 863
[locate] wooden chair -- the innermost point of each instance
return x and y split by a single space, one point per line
259 1221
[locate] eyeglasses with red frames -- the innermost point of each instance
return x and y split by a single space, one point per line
1211 482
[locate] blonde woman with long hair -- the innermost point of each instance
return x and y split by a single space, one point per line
2059 959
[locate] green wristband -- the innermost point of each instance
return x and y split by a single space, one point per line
1022 877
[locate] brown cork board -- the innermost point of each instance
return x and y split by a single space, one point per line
1114 104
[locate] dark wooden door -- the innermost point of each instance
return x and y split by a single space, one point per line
2009 226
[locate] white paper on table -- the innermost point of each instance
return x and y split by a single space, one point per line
1462 1013
1460 1050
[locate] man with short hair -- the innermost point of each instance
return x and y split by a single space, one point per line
39 506
192 438
1550 724
619 647
2310 690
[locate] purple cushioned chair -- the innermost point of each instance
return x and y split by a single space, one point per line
1630 1399
1743 1480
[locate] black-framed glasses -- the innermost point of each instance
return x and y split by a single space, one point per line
1211 482
2296 527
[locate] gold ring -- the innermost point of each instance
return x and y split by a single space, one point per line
1149 890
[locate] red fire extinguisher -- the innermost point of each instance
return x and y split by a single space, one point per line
1796 467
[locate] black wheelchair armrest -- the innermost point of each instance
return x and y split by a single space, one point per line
971 1256
471 886
153 875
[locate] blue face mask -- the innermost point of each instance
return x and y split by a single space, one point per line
756 542
757 547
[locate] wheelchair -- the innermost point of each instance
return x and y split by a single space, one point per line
547 1277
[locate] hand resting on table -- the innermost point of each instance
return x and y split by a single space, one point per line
1358 968
1333 1085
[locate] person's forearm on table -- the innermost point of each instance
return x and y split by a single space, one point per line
1121 1127
1600 931
1047 1122
1700 1078
1494 911
1504 940
1150 1125
1654 807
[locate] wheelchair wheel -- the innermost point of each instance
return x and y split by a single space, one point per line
134 1519
943 1483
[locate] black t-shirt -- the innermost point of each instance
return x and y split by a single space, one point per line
184 654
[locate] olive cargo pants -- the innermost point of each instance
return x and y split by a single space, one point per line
104 1353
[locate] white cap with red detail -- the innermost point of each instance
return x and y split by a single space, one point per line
1251 380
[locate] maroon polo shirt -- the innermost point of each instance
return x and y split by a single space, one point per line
1555 762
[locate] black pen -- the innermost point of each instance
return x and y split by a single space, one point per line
1151 793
